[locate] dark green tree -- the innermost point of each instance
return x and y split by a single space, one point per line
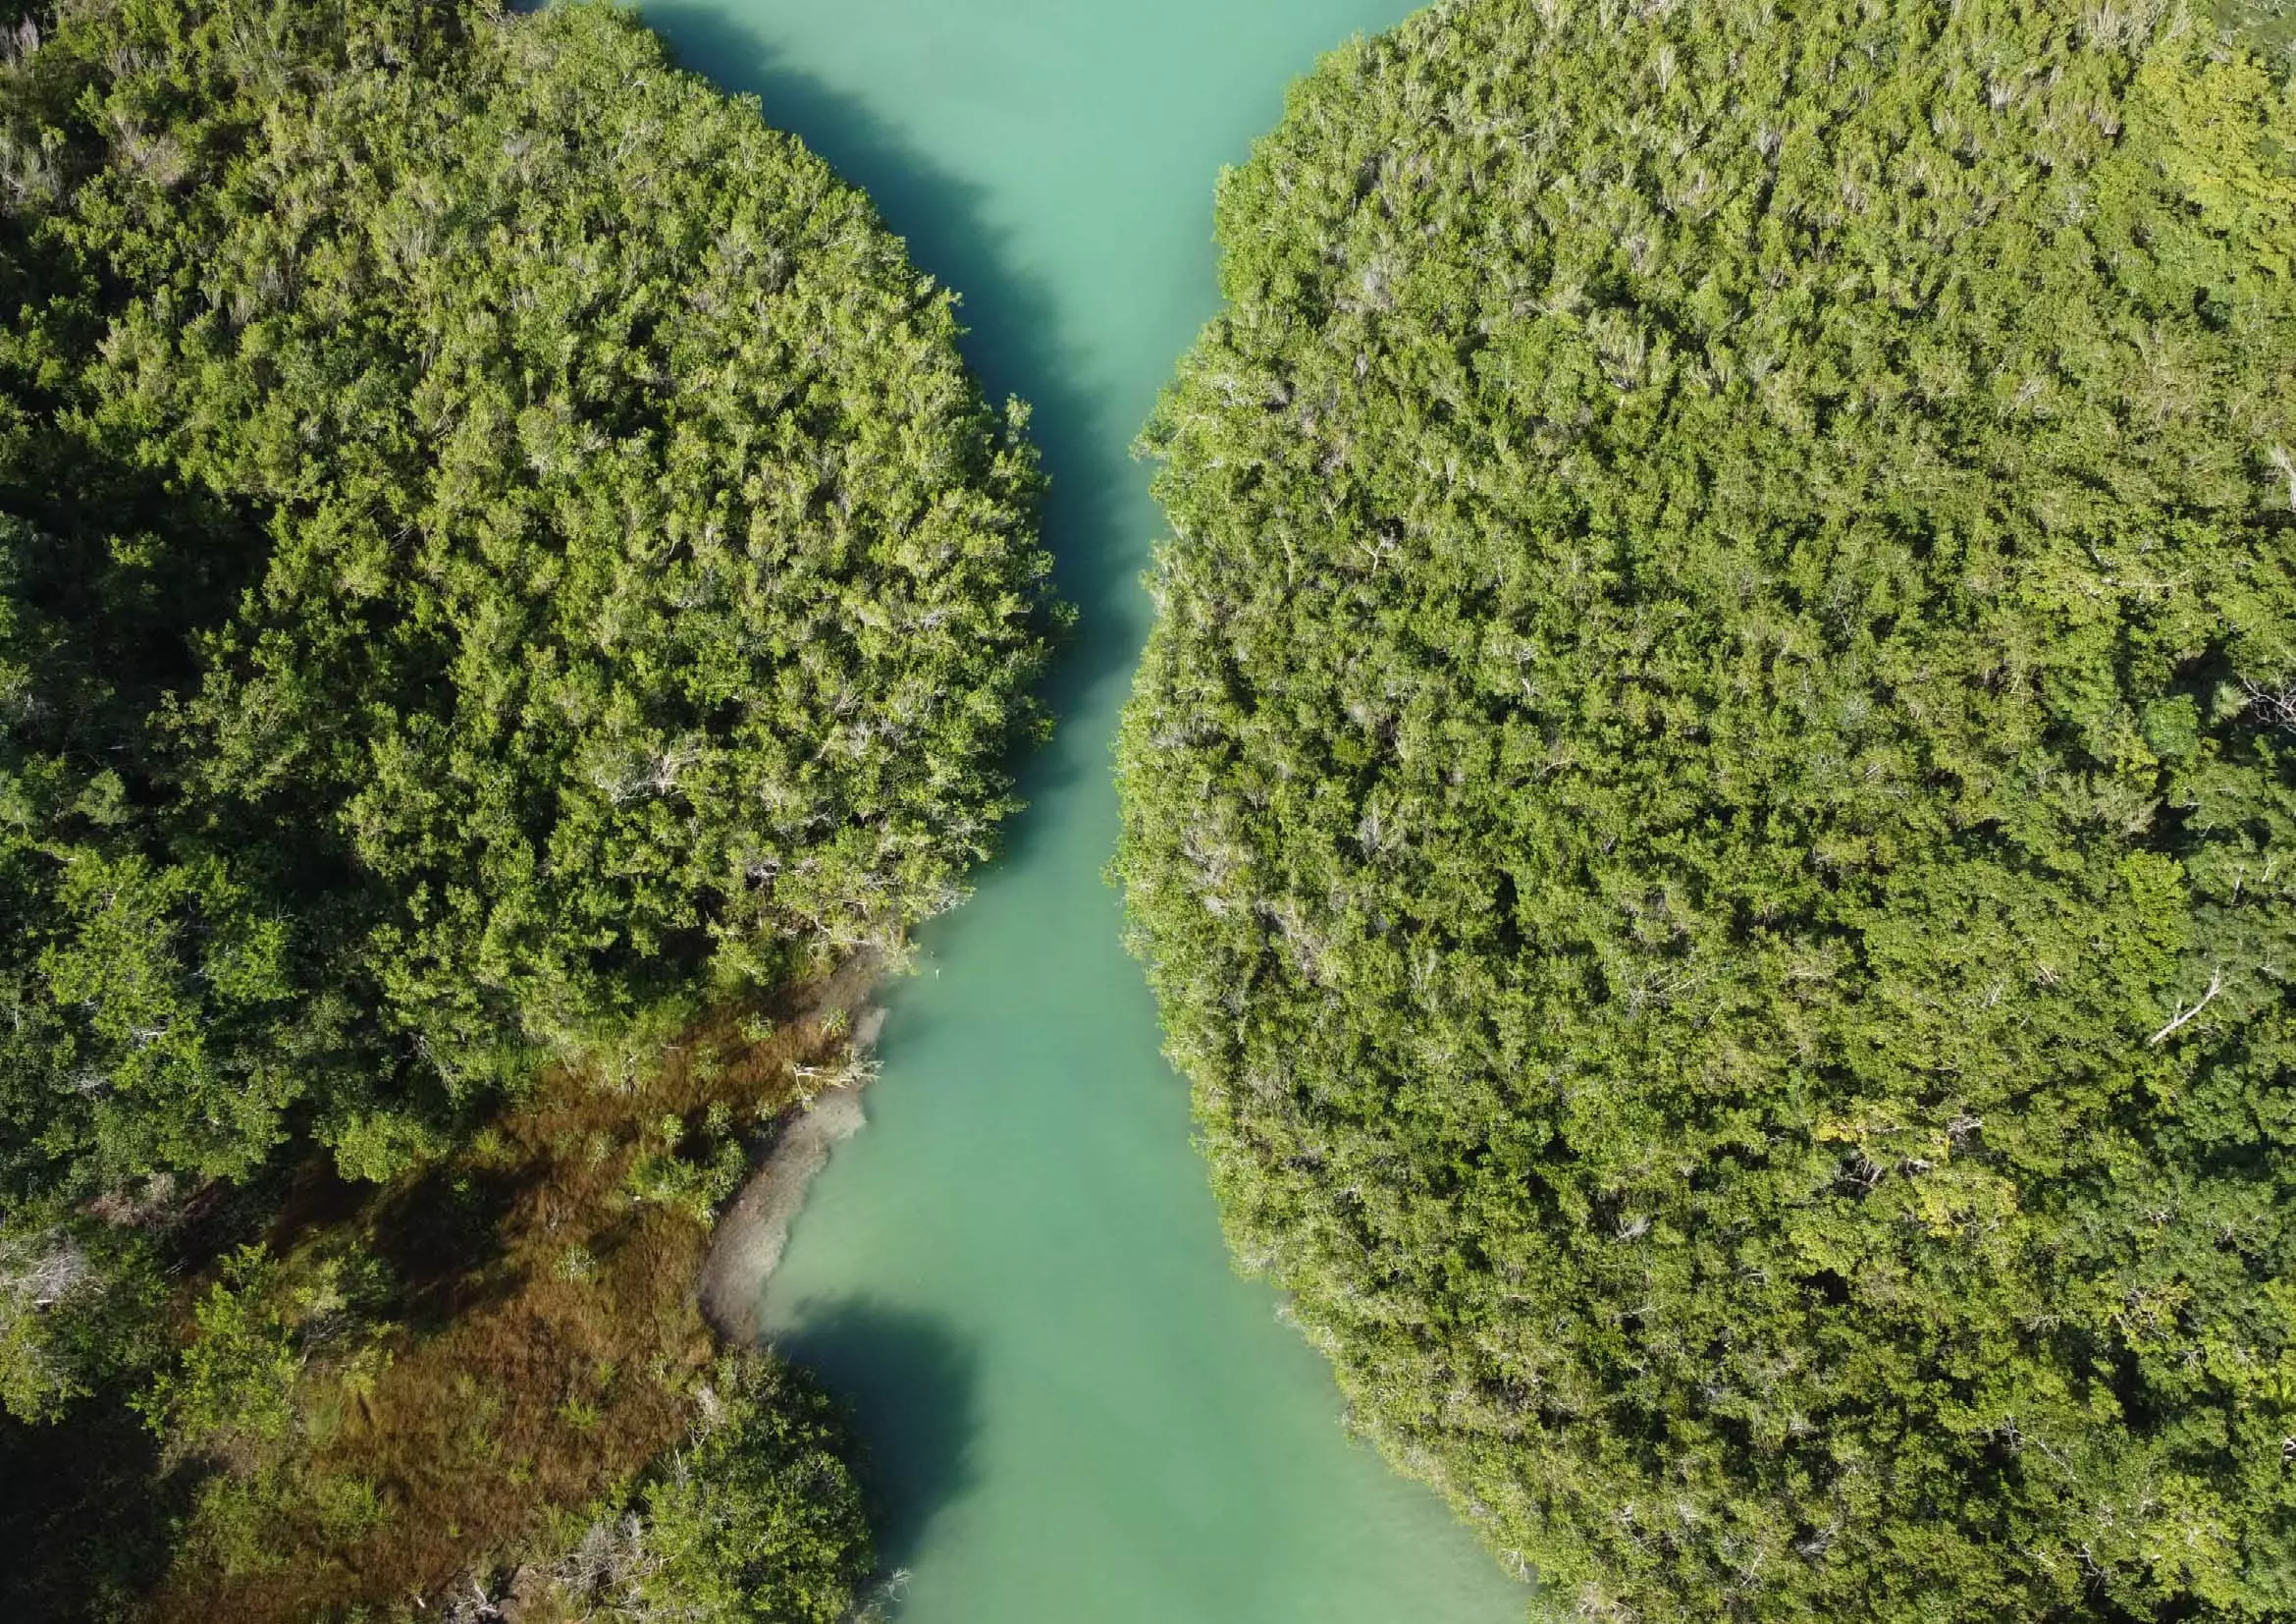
494 540
759 1519
1710 802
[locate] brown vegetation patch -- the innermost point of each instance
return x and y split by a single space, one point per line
543 1336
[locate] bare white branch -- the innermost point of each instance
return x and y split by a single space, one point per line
2216 986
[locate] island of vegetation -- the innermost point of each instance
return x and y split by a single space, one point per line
505 585
1712 803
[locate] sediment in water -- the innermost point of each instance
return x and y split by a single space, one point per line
753 1231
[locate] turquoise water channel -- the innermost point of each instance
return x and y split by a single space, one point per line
1077 1412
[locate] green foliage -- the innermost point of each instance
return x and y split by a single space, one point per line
171 967
239 1400
244 1524
235 1382
144 992
494 540
1710 804
497 548
696 1182
80 1308
759 1519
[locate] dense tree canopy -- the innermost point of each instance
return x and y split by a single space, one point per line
1710 804
491 534
758 1520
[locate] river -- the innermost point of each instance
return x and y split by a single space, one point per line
1077 1413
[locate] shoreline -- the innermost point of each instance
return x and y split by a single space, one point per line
753 1233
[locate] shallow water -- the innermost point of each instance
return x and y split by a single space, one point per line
1077 1412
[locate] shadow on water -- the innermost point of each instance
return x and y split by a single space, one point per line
1012 342
913 1387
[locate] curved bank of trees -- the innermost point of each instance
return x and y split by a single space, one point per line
497 549
1710 802
494 532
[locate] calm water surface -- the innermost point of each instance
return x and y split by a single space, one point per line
1077 1412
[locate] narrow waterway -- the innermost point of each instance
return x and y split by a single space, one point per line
1079 1414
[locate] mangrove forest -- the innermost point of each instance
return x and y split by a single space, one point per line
1710 805
505 585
